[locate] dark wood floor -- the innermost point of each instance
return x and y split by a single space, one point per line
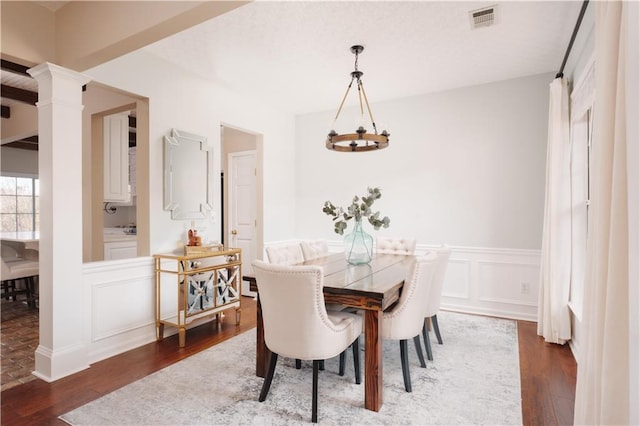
547 377
547 374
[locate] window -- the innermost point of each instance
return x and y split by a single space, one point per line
19 204
582 104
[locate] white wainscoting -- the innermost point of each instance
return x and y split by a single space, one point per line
496 282
119 306
119 298
488 281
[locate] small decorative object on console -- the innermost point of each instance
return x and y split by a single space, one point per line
194 238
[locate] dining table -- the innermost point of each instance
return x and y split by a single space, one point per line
372 287
30 239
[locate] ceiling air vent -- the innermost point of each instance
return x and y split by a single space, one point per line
484 17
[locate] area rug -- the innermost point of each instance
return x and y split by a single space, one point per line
473 379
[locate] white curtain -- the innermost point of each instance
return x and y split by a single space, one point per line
554 320
602 389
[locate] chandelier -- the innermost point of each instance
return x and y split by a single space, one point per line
360 140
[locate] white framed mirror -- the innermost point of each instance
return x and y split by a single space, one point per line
188 162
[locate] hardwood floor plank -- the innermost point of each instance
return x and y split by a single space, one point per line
547 375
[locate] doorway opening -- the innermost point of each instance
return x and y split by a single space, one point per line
241 194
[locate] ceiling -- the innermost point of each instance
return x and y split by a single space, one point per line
295 54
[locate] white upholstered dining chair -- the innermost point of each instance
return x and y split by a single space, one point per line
15 271
285 254
395 245
314 249
291 254
404 321
432 305
297 324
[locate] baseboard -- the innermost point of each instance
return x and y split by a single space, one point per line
52 365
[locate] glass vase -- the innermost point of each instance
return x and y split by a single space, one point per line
358 245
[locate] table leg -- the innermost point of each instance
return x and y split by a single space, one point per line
159 331
182 335
262 352
372 360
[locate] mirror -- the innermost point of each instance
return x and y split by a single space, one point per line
187 173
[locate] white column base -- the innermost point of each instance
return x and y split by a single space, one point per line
53 365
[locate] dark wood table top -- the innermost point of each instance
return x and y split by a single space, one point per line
378 281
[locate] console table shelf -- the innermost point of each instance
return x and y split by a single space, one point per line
194 286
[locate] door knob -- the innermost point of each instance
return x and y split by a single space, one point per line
234 232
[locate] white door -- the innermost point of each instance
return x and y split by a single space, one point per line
116 158
242 208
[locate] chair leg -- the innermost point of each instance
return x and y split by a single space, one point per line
343 358
416 341
267 380
321 365
434 320
298 364
314 397
31 289
404 357
355 347
427 342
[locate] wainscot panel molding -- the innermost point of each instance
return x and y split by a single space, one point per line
501 282
119 306
498 282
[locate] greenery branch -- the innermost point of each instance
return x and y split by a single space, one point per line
360 207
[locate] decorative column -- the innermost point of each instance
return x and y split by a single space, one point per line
62 349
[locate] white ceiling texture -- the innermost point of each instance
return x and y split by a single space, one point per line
296 54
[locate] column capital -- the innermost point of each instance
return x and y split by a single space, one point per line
48 70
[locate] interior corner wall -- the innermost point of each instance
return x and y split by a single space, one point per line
465 167
27 32
178 99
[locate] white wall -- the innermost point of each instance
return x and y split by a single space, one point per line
20 161
464 167
178 99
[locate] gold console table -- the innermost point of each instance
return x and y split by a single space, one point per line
194 286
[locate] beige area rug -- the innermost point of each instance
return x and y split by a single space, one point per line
474 379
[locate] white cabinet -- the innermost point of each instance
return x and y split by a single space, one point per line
120 250
132 171
116 158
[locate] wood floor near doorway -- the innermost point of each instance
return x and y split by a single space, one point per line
547 374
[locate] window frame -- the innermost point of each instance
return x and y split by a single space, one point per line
583 103
35 222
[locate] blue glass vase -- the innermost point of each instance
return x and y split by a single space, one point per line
358 245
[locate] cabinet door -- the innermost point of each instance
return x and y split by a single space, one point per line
120 250
116 158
